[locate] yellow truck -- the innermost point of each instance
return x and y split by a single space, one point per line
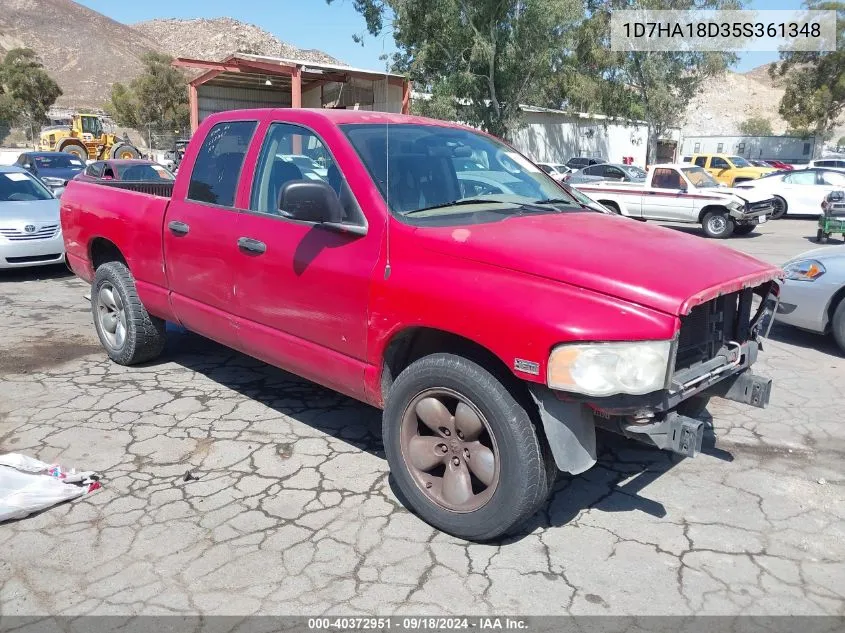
729 170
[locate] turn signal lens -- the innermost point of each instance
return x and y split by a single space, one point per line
804 270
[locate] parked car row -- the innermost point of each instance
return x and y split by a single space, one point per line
30 189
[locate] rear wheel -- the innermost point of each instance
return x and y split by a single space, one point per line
463 451
77 150
718 225
779 208
129 334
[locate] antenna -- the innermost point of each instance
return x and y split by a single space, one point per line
387 180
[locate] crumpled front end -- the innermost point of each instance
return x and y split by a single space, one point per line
716 344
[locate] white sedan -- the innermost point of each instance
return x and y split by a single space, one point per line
30 234
798 192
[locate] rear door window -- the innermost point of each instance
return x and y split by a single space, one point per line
804 177
719 163
217 169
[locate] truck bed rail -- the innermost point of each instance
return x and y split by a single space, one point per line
163 189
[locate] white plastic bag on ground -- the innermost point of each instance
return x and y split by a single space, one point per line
26 485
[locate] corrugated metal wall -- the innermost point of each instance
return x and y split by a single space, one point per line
214 99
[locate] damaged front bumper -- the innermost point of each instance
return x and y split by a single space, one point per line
569 421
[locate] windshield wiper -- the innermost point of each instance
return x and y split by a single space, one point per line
462 202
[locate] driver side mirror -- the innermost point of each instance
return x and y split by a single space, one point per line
310 201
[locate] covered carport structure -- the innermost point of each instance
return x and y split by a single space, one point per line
255 81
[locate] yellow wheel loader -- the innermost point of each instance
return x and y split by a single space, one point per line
83 136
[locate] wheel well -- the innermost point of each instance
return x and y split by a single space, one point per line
837 298
414 343
708 209
103 251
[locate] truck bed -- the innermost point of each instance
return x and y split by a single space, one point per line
129 215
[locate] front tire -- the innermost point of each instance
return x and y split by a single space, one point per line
718 225
780 208
837 325
463 451
129 334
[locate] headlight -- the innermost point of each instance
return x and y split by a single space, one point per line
605 369
50 181
736 206
804 270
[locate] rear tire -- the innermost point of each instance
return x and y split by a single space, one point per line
780 208
129 334
718 225
837 325
77 150
524 468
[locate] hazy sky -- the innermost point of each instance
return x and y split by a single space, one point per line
314 24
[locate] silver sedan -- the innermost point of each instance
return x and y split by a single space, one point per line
812 296
30 231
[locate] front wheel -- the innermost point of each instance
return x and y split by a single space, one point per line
779 208
821 236
837 324
463 451
718 225
129 334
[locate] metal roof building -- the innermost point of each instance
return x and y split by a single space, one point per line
256 81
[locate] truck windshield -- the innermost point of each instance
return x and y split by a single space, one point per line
739 161
429 171
700 178
16 186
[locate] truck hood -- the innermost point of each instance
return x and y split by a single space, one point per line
644 264
751 194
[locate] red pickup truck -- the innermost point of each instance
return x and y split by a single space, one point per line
430 270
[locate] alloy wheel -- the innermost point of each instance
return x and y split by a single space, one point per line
449 450
111 315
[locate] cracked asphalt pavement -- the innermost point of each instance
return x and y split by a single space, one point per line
292 509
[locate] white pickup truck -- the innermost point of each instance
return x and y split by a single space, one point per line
685 193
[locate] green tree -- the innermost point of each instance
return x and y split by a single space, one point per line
26 91
841 142
156 101
756 126
654 86
489 55
814 99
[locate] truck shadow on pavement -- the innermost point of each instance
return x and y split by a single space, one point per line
615 484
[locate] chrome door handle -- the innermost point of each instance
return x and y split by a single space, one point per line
178 228
251 246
